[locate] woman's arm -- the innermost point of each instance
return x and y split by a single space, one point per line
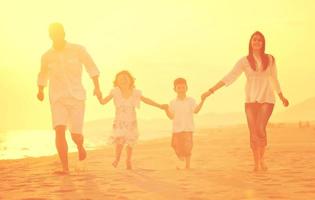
228 79
151 102
213 89
275 82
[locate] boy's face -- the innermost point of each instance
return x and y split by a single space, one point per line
180 88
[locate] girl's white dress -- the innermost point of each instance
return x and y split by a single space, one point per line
125 128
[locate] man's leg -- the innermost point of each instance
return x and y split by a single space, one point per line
78 139
62 147
76 109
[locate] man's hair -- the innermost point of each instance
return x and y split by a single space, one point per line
55 26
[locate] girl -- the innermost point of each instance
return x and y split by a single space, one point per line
126 99
261 74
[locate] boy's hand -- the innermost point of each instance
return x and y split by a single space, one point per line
40 95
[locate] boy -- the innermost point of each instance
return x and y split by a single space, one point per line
181 111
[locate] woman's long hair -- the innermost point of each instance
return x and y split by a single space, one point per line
264 57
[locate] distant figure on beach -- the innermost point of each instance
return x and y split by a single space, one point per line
261 74
125 126
61 65
181 111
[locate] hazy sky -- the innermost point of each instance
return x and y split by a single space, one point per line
156 41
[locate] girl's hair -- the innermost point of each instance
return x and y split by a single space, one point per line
125 72
264 57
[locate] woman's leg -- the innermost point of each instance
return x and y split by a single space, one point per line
251 110
263 117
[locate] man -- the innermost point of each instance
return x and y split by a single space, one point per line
61 65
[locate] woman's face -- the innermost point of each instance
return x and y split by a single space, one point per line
257 42
123 81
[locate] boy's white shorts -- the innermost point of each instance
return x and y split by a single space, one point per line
68 112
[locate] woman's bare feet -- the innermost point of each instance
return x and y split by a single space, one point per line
263 166
128 165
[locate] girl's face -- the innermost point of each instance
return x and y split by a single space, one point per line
257 42
123 81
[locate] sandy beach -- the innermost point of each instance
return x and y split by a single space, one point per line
221 169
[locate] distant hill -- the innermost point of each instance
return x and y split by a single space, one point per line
304 111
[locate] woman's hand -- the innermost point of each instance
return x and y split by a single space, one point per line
285 102
206 94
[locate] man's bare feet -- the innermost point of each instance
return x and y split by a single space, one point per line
82 153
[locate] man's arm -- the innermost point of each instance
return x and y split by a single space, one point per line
42 79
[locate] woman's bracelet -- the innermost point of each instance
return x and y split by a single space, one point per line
211 90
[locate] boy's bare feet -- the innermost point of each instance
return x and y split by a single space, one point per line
61 173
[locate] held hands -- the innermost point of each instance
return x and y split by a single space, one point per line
206 94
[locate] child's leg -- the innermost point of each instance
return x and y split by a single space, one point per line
188 148
187 162
119 147
129 154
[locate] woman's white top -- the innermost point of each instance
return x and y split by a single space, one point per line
260 84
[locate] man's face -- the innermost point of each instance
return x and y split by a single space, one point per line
57 34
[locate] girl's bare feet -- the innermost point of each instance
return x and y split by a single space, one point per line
115 163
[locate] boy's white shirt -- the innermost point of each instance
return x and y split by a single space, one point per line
63 70
183 111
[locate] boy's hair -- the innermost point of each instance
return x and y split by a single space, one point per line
125 72
180 81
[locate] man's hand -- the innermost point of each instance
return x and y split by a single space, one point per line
40 95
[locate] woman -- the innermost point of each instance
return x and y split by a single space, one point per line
261 74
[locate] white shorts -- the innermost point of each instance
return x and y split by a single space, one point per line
68 112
